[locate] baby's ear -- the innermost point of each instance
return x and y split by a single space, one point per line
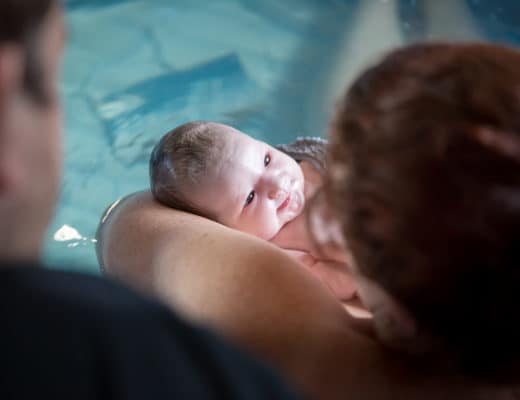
393 323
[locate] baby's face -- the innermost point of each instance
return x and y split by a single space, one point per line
253 187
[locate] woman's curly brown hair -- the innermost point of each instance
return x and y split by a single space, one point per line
425 178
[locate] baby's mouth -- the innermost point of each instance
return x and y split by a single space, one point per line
292 205
285 203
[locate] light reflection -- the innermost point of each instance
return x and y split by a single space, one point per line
70 234
66 233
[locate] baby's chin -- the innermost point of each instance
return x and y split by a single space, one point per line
296 205
293 209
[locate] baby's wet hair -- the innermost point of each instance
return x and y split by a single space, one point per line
180 160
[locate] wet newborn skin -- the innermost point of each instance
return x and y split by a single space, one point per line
260 190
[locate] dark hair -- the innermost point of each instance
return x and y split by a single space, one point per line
20 22
425 178
179 160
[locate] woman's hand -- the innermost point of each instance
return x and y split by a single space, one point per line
334 275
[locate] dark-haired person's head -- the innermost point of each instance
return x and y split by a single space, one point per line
32 36
425 180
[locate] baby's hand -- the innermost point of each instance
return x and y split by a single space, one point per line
303 257
334 275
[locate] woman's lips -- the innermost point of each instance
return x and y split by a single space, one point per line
285 203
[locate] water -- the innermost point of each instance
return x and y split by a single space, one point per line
135 69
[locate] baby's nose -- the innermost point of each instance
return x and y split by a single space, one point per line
275 193
279 186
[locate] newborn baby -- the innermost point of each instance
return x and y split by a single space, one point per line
220 173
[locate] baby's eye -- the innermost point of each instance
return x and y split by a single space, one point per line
267 160
250 198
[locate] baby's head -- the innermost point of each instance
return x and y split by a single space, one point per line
218 172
